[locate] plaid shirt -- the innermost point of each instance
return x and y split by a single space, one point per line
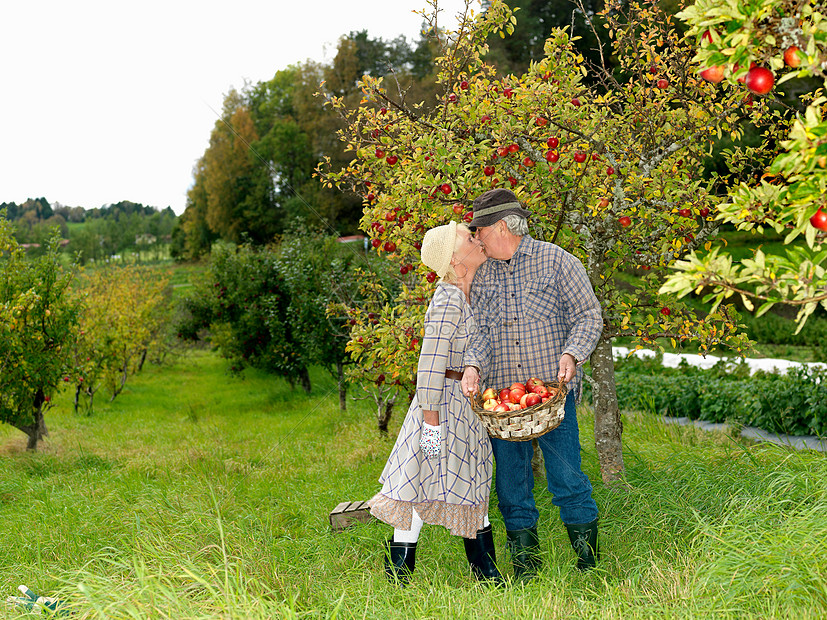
529 312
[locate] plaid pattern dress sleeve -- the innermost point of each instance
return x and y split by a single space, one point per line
442 320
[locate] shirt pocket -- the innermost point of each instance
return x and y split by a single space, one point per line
540 299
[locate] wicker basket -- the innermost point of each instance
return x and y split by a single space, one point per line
524 424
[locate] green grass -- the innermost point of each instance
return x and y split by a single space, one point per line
200 495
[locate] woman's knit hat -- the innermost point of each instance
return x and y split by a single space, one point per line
438 247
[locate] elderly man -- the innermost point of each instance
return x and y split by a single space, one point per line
537 316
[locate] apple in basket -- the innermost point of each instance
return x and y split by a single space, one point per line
504 395
515 406
518 386
533 383
489 394
501 407
530 399
552 391
489 404
515 395
540 390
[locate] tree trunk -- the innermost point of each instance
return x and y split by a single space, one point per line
35 431
607 424
538 464
384 409
142 360
304 379
340 371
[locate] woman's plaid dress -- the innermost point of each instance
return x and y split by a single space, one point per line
454 490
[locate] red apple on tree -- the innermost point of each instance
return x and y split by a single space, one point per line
819 220
552 142
713 74
552 156
760 80
791 57
488 171
445 188
625 221
579 157
391 159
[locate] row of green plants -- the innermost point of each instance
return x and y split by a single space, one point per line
793 403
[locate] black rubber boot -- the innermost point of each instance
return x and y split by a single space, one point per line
583 538
524 546
400 560
482 557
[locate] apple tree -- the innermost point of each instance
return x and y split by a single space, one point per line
765 43
609 167
123 318
38 327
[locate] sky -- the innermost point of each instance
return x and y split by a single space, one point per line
104 101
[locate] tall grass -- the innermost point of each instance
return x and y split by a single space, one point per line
200 495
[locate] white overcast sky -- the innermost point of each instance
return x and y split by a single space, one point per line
103 101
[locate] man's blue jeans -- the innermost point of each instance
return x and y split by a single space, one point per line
570 487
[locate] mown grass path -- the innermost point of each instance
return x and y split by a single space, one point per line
200 495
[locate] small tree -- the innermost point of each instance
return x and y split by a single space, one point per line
38 326
609 168
123 318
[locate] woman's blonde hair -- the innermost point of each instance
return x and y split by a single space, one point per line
451 276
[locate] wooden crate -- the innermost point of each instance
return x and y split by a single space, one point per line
349 513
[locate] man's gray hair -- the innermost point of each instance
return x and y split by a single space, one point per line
516 225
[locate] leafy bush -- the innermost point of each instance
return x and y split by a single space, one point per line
794 403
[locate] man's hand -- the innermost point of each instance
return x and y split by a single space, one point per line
470 381
568 368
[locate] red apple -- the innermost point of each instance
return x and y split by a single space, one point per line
604 202
665 311
540 121
485 118
610 171
713 74
819 220
579 157
760 80
458 208
374 242
508 92
504 394
528 162
501 407
552 142
518 386
489 394
575 102
488 171
445 188
684 212
532 383
663 83
515 395
463 85
468 217
489 405
390 246
529 400
791 57
452 98
391 159
431 277
625 221
513 148
380 153
704 212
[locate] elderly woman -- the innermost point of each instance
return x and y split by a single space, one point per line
439 470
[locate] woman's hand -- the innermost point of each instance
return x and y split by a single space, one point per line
470 381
